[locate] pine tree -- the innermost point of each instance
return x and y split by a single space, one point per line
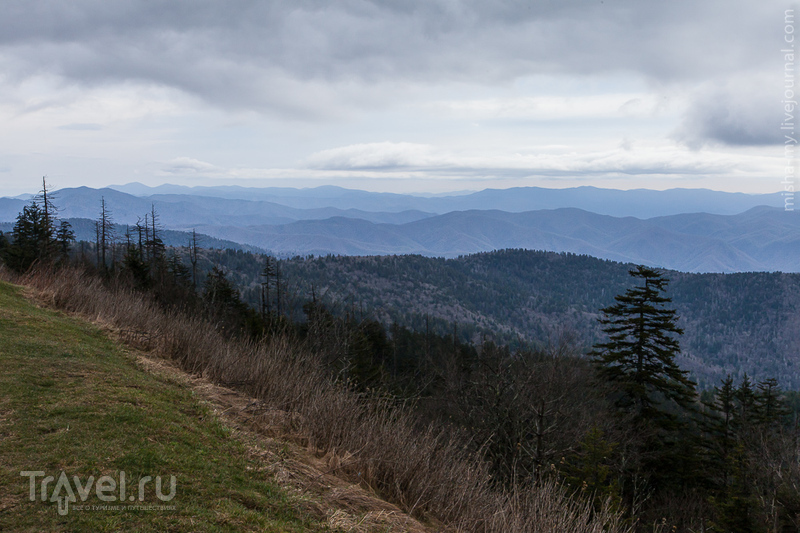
651 391
220 294
589 469
639 355
268 273
4 246
721 428
35 233
179 272
134 265
747 412
31 239
65 235
770 403
193 258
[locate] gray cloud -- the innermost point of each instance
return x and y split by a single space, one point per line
742 114
388 157
308 58
187 165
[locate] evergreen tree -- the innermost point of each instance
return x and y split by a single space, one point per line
747 408
268 273
589 470
180 272
32 239
134 265
736 507
4 246
744 438
770 403
64 235
639 355
721 429
193 258
638 361
224 302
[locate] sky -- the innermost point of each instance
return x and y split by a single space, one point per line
427 96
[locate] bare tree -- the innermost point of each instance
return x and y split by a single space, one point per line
49 214
105 234
155 242
525 411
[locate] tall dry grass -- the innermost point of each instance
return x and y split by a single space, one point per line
427 473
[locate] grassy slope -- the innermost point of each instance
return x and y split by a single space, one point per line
73 400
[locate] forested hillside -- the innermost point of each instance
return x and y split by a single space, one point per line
734 323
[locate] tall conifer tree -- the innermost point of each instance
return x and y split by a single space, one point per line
638 359
639 355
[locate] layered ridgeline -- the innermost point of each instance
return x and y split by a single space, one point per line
734 323
681 229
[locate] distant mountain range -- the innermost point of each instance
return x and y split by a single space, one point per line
761 239
680 229
183 210
640 203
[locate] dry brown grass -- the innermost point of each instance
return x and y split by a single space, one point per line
368 442
344 505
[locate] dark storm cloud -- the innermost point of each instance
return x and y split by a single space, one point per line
305 58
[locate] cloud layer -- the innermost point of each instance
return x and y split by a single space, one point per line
358 85
302 57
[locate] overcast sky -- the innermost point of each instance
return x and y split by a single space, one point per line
396 95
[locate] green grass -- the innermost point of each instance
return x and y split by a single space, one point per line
73 400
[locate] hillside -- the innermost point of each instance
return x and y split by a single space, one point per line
733 323
73 400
